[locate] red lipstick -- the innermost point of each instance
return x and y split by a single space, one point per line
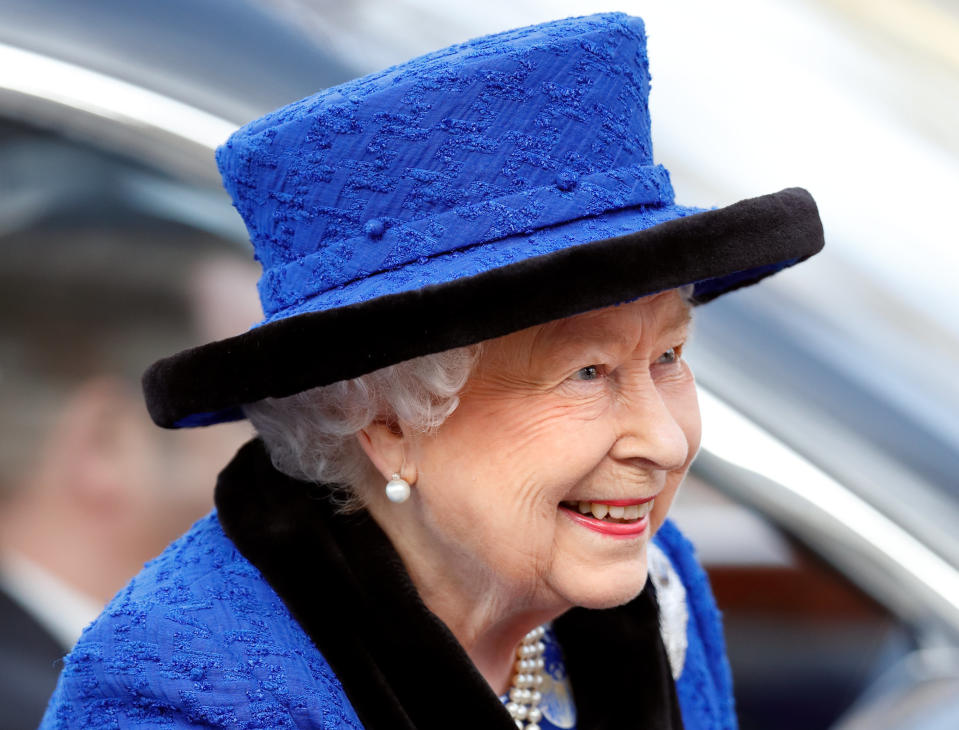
614 529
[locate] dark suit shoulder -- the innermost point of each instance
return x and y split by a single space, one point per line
30 660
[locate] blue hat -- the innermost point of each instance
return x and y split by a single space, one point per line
472 192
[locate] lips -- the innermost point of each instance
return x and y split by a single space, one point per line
619 518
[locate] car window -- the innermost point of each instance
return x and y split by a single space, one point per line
805 643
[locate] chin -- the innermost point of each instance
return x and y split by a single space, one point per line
609 587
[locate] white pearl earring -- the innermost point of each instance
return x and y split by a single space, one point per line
397 489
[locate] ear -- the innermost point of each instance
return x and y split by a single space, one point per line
385 444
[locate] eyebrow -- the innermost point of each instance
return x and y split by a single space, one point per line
597 330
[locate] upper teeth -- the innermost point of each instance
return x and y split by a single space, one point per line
619 512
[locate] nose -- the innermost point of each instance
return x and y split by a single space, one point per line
648 432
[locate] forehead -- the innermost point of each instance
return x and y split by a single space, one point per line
624 323
624 326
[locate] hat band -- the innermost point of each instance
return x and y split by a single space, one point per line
392 243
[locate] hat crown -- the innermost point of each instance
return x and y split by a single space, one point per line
501 135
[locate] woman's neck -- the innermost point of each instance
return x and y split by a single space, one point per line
488 631
487 613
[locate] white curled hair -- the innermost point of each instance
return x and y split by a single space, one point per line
312 435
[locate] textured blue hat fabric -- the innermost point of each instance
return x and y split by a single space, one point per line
473 157
508 150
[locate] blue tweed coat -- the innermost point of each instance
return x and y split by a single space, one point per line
222 631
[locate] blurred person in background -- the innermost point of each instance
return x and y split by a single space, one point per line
90 489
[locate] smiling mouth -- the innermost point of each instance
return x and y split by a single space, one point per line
614 511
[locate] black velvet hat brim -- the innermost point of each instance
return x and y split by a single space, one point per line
718 250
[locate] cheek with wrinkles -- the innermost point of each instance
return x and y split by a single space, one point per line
560 435
529 506
516 423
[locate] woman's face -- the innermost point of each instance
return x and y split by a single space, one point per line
595 413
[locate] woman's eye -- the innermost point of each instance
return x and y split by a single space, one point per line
670 356
590 372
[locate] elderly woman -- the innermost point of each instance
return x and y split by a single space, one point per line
473 415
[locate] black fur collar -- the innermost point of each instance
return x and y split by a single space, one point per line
399 664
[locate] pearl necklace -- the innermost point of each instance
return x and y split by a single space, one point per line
525 690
